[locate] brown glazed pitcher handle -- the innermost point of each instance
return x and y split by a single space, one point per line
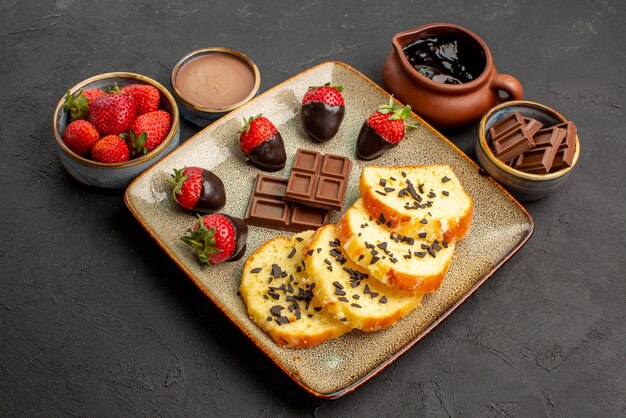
508 84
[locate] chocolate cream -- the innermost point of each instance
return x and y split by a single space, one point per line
214 81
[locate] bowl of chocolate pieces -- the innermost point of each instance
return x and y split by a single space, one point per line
527 147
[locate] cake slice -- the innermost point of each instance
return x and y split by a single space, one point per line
410 263
418 199
348 291
280 298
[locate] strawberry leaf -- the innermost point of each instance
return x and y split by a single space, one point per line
136 144
406 112
78 107
114 89
178 178
202 241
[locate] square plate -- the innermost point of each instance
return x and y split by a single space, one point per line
500 228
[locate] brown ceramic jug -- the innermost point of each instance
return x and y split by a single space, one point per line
446 105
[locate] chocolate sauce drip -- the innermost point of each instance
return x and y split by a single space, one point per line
269 155
370 145
320 121
213 195
241 236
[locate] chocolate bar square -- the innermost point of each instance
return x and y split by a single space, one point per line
539 159
512 144
307 161
506 125
268 209
532 126
565 154
318 180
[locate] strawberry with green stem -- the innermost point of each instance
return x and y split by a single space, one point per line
198 190
217 238
155 125
383 130
78 105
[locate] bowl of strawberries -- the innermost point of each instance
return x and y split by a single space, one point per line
113 126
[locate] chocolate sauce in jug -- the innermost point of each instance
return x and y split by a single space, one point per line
447 59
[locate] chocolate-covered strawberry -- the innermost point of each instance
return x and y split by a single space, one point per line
322 111
217 238
262 144
198 190
383 130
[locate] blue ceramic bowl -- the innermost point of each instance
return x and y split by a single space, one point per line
113 175
203 116
524 186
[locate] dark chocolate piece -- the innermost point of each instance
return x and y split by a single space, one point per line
321 121
549 137
269 155
565 154
539 159
370 145
213 195
512 144
318 180
532 126
268 209
506 125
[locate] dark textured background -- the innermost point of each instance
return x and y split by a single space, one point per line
96 320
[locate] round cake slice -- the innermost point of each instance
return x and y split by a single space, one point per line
415 199
348 291
280 297
411 263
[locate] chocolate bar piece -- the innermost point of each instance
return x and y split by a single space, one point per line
539 159
318 180
549 137
512 144
266 208
506 125
565 154
532 126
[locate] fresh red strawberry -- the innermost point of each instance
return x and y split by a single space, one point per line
383 130
198 189
217 238
155 124
80 136
112 113
261 142
110 149
93 94
327 94
146 97
322 111
78 106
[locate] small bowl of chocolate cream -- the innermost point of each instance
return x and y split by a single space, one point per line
210 82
